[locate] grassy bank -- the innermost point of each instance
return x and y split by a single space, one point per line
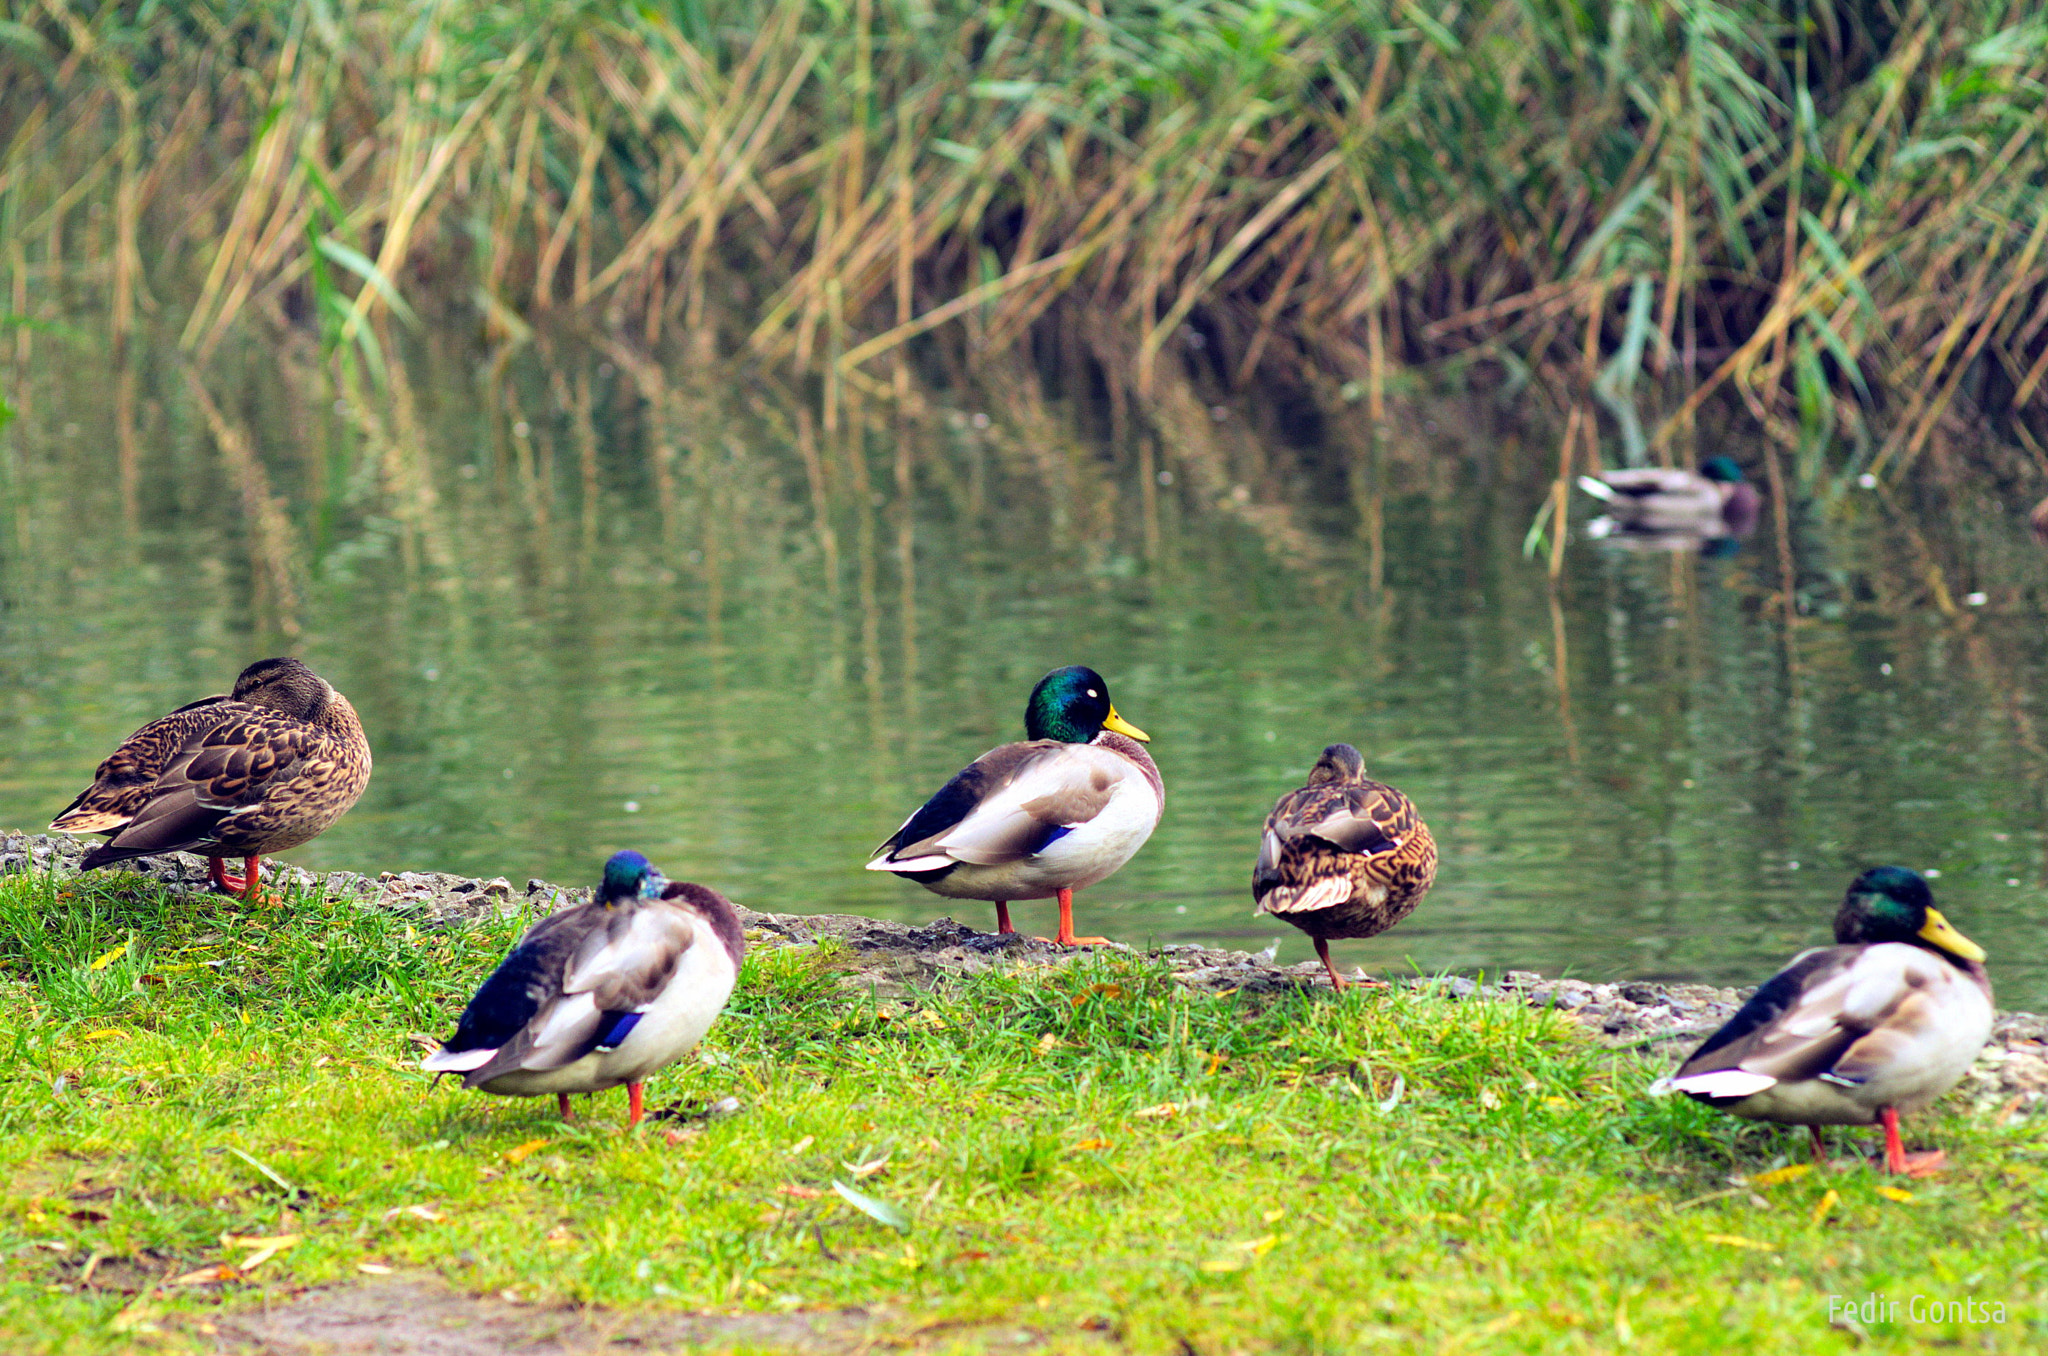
1829 209
1092 1155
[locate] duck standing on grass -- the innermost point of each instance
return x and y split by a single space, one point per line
1881 1023
1345 856
267 767
1046 817
603 993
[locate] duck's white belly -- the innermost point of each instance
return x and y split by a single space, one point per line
1087 853
669 1029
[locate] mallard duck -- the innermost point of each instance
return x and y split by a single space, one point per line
1881 1023
267 767
601 994
1045 817
1714 501
1345 856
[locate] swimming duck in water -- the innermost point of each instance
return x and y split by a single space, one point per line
1659 501
1045 817
602 994
266 767
1858 1033
1345 856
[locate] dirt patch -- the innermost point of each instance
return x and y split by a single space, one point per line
420 1317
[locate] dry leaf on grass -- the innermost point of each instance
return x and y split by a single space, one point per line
1737 1241
420 1212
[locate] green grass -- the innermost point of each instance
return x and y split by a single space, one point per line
1092 1151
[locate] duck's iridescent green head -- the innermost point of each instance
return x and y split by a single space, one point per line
1722 469
1892 904
1072 705
628 875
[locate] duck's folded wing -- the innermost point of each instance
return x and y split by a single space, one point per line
1798 1025
1008 804
223 770
122 781
1898 1003
1363 819
1642 481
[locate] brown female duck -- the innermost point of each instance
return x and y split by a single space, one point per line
267 767
1345 856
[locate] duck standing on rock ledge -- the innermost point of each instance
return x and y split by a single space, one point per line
267 767
1046 817
1345 856
1883 1022
601 994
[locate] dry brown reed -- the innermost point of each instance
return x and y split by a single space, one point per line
1829 211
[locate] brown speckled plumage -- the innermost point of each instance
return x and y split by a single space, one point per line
264 769
1344 856
124 779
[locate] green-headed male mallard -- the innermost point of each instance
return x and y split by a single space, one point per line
1883 1022
601 994
1046 817
265 768
1714 501
1345 856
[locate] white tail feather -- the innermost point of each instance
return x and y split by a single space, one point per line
1599 489
1723 1083
450 1061
929 862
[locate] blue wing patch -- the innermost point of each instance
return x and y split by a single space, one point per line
1053 833
616 1030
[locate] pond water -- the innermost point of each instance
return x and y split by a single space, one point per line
747 627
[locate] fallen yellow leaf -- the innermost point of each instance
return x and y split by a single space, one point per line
1791 1172
213 1275
104 961
425 1212
1736 1241
1092 1144
273 1242
373 1269
105 1033
1047 1042
1894 1194
1158 1113
519 1153
1827 1203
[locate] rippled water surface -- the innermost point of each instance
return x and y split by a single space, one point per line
582 608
